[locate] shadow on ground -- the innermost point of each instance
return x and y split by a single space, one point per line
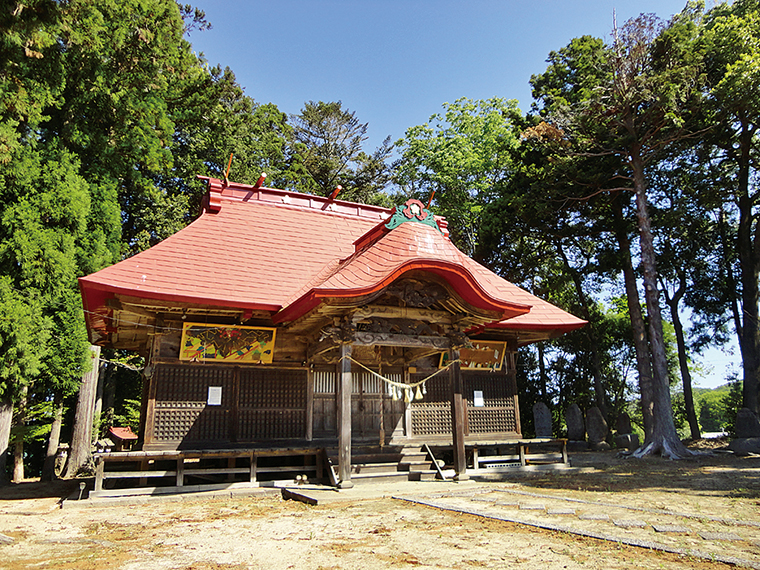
725 473
35 489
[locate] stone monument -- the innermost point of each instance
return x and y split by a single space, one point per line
542 420
624 436
576 429
597 429
747 440
747 424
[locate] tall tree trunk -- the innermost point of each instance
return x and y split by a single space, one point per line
748 248
664 439
731 286
80 452
683 361
640 343
48 467
109 395
591 334
18 444
6 420
541 370
97 409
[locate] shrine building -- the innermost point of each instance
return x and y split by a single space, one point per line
283 321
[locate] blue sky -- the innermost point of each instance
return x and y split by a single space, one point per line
395 62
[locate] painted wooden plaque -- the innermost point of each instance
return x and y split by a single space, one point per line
227 343
488 354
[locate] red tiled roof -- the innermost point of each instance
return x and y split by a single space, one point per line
277 251
253 253
394 252
123 433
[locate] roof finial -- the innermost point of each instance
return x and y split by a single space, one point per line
227 173
260 181
335 192
430 201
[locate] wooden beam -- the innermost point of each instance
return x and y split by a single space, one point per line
428 315
389 339
324 345
117 305
344 385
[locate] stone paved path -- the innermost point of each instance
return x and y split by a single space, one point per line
707 536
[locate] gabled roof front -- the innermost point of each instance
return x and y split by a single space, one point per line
261 249
392 249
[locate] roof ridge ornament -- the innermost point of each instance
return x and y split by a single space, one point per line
412 211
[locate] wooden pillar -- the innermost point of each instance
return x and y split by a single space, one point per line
310 404
408 406
510 362
254 465
148 403
457 417
344 383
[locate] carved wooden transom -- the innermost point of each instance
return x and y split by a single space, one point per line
414 293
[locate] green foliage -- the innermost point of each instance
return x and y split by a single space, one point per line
23 330
730 39
458 157
717 408
730 404
130 416
710 416
573 74
328 142
679 414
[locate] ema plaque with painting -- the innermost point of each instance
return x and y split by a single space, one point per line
225 343
484 354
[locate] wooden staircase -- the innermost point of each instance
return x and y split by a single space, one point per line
374 464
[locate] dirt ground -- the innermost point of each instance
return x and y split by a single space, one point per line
717 493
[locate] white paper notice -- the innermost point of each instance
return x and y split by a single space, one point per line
214 395
477 399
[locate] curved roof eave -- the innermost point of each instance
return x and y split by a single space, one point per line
457 276
105 289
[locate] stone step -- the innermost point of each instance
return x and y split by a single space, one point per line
415 465
391 467
364 478
429 475
370 458
414 456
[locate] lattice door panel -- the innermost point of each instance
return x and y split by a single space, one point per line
174 424
431 419
491 420
181 412
498 413
438 388
191 424
188 384
496 388
281 389
432 415
271 424
271 404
